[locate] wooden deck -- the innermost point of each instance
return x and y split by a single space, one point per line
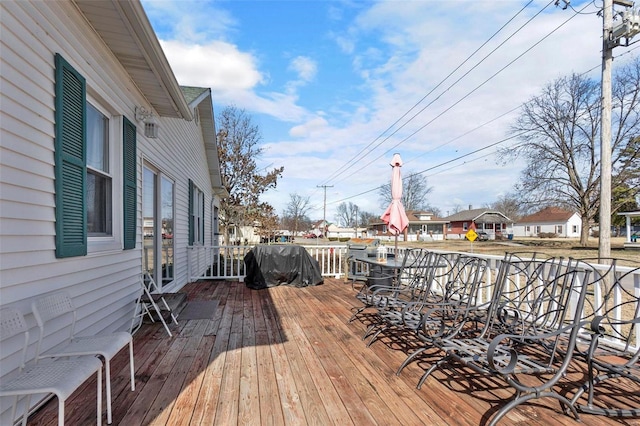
287 356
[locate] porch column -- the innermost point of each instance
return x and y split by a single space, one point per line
628 220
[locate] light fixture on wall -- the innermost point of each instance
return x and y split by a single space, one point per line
150 122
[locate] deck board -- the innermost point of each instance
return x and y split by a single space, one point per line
287 356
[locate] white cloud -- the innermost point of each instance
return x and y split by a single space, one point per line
305 67
217 64
310 128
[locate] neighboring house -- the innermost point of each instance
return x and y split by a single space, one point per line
319 227
492 222
631 231
243 235
88 100
334 231
423 226
550 220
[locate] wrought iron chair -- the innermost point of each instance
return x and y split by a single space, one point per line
530 332
613 352
447 283
386 285
59 306
60 377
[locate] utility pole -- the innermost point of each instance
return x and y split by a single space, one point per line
604 239
356 221
611 37
324 213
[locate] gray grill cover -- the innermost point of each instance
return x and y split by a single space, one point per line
280 264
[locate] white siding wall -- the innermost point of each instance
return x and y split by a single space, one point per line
520 229
103 284
574 221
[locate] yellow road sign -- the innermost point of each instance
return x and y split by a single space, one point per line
471 235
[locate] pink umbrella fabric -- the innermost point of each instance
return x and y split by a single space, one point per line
395 216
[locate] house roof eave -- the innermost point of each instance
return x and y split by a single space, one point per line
141 54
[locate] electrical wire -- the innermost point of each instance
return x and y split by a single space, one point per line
436 166
476 151
360 153
462 98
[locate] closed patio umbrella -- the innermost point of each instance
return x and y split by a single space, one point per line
395 216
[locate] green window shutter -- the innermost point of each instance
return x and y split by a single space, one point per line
191 224
129 178
70 160
202 221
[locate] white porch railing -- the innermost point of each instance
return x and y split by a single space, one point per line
216 262
227 262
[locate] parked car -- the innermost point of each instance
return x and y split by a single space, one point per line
310 235
482 236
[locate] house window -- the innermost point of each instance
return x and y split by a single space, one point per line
465 226
559 229
87 171
158 226
99 207
196 215
166 211
527 228
537 229
574 229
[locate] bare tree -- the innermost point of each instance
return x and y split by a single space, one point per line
367 218
627 192
457 208
511 206
238 149
295 214
268 224
347 214
414 192
559 132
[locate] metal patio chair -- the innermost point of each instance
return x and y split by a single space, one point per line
57 306
446 282
613 351
384 284
60 377
151 303
530 334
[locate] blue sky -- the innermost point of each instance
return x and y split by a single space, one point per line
325 80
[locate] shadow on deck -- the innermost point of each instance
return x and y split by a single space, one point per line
286 355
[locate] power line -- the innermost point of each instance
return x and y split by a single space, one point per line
464 97
435 167
478 150
358 156
478 127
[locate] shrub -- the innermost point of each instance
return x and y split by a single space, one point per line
547 235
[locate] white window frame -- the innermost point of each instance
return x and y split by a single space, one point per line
113 241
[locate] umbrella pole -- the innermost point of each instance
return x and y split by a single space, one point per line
395 252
